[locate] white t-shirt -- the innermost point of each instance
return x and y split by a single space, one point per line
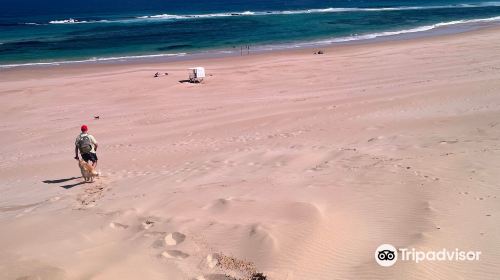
92 140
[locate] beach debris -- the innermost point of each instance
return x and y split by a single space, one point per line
157 74
319 52
97 117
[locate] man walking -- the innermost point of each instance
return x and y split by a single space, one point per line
87 145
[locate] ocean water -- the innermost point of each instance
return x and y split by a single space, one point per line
54 31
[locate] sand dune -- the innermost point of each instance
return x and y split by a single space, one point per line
290 164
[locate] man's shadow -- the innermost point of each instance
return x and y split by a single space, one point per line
58 181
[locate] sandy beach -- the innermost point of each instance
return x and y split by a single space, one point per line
290 164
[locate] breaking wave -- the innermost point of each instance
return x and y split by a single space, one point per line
94 59
405 31
264 13
75 21
312 11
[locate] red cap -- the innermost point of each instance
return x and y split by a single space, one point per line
84 128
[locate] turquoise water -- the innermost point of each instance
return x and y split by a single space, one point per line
54 31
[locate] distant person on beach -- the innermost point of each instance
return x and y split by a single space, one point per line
87 145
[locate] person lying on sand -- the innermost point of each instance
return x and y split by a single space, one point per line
87 145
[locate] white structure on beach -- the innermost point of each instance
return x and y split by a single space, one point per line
197 74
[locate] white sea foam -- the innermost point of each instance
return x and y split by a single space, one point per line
312 11
168 16
400 32
284 12
369 36
94 59
75 21
287 12
66 21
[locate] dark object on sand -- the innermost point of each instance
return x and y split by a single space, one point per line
97 117
157 75
319 52
258 276
166 74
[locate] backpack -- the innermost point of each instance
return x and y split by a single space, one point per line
85 145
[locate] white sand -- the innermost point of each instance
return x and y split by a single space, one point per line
299 165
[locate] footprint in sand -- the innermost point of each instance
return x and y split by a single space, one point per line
174 238
148 224
54 199
444 142
215 277
174 254
90 196
117 225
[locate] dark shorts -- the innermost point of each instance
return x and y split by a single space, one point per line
89 156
